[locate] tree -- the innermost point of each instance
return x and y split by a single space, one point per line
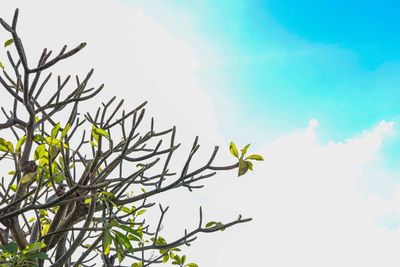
66 189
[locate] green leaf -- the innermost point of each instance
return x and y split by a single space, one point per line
3 142
45 228
93 143
106 242
53 152
55 129
165 258
52 141
33 246
108 194
2 65
249 165
95 135
191 265
6 146
132 237
8 42
43 213
119 248
101 132
13 187
10 248
3 148
244 150
161 241
20 143
126 209
255 157
113 223
177 259
11 172
27 177
97 131
65 130
38 138
10 147
183 259
39 255
130 230
210 224
123 239
233 149
137 264
40 152
243 167
140 212
140 231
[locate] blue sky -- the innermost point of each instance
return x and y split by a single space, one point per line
284 62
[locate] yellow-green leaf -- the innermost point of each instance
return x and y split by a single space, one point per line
55 129
27 177
6 146
243 167
45 228
249 165
210 224
8 42
233 149
2 65
244 150
43 213
10 147
124 240
254 157
101 132
40 151
65 130
106 242
20 143
165 258
126 209
140 212
93 143
33 246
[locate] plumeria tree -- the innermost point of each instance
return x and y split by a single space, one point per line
74 190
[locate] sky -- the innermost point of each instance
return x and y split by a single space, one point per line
312 85
293 60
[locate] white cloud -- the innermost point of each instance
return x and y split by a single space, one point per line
308 209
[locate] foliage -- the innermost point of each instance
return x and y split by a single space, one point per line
245 164
66 191
10 255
